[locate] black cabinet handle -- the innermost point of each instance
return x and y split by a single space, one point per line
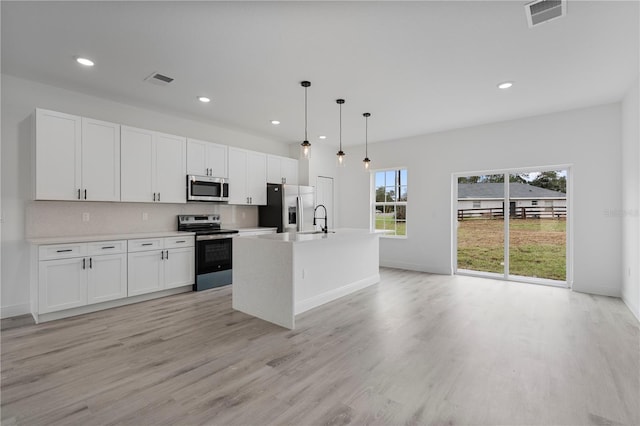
154 196
64 251
108 247
158 196
167 257
147 244
78 194
181 241
162 255
85 194
84 263
90 263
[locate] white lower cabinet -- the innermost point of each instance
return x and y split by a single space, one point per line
62 285
73 275
152 270
146 272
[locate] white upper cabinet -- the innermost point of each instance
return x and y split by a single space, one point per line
282 170
206 158
153 166
58 156
77 158
247 177
100 160
137 164
170 168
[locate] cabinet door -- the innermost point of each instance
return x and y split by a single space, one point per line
217 159
100 160
197 157
62 284
170 168
58 155
238 176
257 177
136 164
289 170
179 267
145 272
107 278
274 169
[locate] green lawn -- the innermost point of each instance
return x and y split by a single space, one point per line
537 247
389 222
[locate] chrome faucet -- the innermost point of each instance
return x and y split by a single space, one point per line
325 229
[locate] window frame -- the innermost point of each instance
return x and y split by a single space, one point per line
398 185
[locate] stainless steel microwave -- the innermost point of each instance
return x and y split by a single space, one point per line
207 188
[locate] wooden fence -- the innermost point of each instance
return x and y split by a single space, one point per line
531 212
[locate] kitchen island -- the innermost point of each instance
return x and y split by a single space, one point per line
278 276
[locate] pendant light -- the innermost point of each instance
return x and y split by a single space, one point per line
305 146
366 160
341 155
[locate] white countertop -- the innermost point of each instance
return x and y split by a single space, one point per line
334 235
109 237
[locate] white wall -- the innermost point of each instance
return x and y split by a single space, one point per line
589 139
631 200
19 99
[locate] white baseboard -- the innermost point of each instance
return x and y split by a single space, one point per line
633 309
321 299
413 267
14 310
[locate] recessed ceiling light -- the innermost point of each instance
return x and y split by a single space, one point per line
275 122
322 137
204 99
505 85
84 61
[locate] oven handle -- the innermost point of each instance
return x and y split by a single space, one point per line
214 237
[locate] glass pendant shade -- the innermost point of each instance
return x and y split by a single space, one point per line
305 150
341 156
366 163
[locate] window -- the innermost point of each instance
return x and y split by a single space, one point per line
477 204
390 206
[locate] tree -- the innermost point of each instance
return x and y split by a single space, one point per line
551 180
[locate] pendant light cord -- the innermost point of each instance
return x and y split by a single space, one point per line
340 126
366 136
305 114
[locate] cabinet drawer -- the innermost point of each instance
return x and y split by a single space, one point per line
62 251
106 247
145 244
176 242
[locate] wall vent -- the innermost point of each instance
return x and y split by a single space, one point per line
542 11
159 79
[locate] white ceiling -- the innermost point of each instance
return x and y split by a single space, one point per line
417 67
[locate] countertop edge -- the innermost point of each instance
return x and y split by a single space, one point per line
106 237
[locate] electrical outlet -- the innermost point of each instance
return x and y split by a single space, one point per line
85 217
145 216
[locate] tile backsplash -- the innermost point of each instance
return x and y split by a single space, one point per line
71 218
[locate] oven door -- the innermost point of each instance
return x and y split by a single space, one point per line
213 254
204 188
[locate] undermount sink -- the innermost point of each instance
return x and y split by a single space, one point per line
315 232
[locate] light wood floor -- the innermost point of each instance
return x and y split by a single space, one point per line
414 349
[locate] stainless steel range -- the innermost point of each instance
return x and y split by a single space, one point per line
213 249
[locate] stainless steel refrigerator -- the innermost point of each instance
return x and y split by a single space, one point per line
289 207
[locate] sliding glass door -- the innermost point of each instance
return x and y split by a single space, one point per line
513 225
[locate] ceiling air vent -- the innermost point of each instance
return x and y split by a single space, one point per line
159 79
541 11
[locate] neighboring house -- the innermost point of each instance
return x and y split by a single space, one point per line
487 199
